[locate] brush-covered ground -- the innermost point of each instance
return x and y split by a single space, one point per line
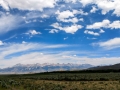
62 81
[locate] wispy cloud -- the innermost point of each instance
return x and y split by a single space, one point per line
12 48
91 33
9 22
110 44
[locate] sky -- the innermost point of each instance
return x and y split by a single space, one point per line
59 31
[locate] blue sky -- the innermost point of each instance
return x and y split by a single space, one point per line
59 31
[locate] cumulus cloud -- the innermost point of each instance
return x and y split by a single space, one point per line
41 4
98 25
81 12
111 5
53 31
33 32
69 16
56 25
94 9
105 5
63 15
85 2
115 25
28 4
73 20
105 24
4 4
110 44
68 29
91 33
102 31
81 19
72 29
68 1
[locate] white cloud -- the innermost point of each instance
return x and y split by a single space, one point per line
48 57
41 4
1 43
35 17
44 16
14 36
111 5
56 25
69 16
23 42
28 4
9 22
10 48
53 31
29 54
66 38
105 24
115 25
85 2
81 19
94 9
91 33
68 1
4 4
81 12
33 32
61 57
74 55
68 29
105 5
110 44
32 15
63 15
72 29
73 20
98 25
102 31
56 46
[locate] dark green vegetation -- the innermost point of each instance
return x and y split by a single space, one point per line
70 80
113 67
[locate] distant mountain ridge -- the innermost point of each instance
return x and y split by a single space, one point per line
113 67
37 68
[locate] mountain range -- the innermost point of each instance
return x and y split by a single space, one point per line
37 68
109 67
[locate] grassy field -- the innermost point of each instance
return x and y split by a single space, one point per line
61 81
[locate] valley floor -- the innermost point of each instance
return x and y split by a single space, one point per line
61 81
62 85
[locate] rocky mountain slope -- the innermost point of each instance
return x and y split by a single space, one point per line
37 68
